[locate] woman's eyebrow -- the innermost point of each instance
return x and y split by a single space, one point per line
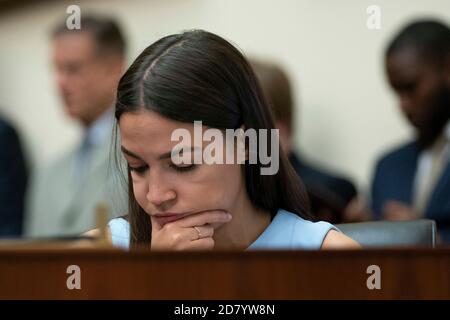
129 153
164 155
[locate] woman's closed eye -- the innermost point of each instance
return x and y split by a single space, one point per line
138 169
183 168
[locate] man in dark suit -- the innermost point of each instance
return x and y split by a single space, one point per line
329 194
13 176
413 181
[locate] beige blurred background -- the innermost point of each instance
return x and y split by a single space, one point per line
346 114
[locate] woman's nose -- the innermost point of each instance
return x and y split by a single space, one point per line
159 193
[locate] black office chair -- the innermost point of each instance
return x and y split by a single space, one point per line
392 233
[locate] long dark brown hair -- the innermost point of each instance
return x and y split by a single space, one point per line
197 75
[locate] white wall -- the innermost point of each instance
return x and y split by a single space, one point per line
347 114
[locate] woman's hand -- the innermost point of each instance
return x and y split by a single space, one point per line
193 232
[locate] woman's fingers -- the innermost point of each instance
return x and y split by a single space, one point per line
194 232
207 217
213 217
201 232
200 244
172 237
176 238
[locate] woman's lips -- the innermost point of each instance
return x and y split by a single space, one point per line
164 218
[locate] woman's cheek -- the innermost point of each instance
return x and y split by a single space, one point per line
216 193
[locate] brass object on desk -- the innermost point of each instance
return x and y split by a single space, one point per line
102 217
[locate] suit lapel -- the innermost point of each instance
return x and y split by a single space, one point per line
441 192
407 167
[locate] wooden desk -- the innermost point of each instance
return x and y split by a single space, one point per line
40 273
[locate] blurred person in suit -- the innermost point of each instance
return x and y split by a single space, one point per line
13 179
329 193
88 65
413 180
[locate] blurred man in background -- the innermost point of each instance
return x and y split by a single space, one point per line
13 178
413 181
329 194
88 65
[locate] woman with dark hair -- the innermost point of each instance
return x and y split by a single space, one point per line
198 76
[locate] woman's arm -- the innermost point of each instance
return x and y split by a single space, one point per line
95 233
338 240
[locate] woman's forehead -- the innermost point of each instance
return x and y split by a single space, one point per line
147 123
148 132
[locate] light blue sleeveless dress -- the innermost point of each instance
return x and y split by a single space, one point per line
286 231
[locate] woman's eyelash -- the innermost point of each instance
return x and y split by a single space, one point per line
183 169
140 169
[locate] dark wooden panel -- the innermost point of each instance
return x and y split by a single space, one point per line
112 274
